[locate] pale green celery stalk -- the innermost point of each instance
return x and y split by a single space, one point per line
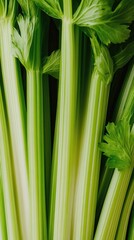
36 153
3 230
35 135
7 179
102 189
27 48
131 225
16 117
122 108
110 214
63 175
88 172
117 140
127 206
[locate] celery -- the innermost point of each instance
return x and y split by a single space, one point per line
63 178
57 193
63 170
127 206
16 113
7 178
123 107
110 213
3 230
131 225
88 172
27 47
120 151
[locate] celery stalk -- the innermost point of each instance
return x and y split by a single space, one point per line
119 149
63 175
36 153
88 172
35 131
16 116
3 230
131 226
127 206
113 203
122 108
7 178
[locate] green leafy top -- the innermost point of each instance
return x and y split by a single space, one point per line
22 41
28 7
119 145
51 64
111 25
7 9
25 37
103 61
51 7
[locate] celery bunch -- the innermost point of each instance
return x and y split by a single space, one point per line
66 72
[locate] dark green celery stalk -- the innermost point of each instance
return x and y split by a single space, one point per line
131 225
122 107
127 206
89 165
16 116
63 175
7 179
35 135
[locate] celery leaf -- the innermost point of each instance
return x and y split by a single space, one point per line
22 42
118 145
111 25
103 61
28 7
123 56
51 64
50 7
